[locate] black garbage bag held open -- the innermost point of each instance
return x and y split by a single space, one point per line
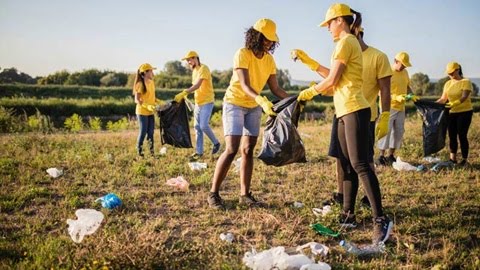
282 144
435 124
174 128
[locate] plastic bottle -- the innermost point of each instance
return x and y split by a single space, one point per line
366 251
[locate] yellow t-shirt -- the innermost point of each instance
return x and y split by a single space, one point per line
398 86
454 88
148 97
259 70
375 67
348 96
204 94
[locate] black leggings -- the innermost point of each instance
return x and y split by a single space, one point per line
458 124
353 137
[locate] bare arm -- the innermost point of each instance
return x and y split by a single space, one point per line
325 87
443 99
465 95
275 88
323 71
384 84
245 82
195 86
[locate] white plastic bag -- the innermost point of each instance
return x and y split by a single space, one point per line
197 166
54 172
400 165
87 223
316 266
321 212
274 258
179 183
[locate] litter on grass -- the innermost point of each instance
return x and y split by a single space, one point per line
321 212
277 258
179 183
227 237
315 248
400 165
110 201
88 222
197 166
54 172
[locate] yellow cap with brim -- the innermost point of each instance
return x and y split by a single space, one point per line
268 28
335 11
403 58
145 67
451 67
190 54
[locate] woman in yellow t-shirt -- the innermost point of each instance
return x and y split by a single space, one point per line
253 67
344 81
144 92
457 92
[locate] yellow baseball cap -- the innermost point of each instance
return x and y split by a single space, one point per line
335 11
145 67
403 58
451 67
190 54
268 28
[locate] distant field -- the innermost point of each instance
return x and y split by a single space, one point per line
436 215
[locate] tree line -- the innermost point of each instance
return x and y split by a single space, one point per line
175 75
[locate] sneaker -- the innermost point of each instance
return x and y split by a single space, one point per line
365 202
336 198
390 159
248 200
463 162
216 148
195 157
382 228
215 201
382 161
347 221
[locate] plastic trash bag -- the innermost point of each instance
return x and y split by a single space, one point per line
282 144
174 128
54 172
197 166
179 183
400 165
110 201
435 123
274 258
87 223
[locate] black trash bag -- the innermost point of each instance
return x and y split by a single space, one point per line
435 123
282 144
174 128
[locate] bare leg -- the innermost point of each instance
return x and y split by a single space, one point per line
246 168
224 161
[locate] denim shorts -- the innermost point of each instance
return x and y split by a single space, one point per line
241 121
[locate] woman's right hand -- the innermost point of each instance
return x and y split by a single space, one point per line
304 58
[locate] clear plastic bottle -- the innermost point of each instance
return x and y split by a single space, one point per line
366 251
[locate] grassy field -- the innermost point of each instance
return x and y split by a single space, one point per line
436 215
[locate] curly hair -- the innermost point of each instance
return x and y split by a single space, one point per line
254 41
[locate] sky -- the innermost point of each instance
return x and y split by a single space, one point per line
41 37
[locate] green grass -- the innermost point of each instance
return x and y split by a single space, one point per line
437 215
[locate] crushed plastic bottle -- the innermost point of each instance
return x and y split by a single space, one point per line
227 237
110 201
366 251
87 223
197 166
431 159
442 165
421 168
54 172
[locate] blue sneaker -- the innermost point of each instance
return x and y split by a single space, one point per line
382 228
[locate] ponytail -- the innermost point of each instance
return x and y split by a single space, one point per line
354 25
460 71
139 77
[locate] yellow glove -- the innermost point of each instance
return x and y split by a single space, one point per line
180 96
149 107
159 102
304 58
265 104
307 94
398 98
381 129
450 104
412 97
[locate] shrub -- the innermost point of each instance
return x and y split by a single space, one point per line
8 121
74 123
95 123
39 122
121 124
